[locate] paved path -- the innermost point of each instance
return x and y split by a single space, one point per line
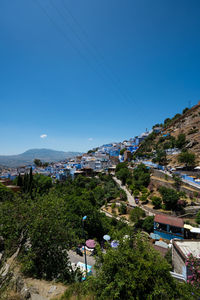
130 197
111 216
75 258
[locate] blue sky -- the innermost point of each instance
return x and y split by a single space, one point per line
90 72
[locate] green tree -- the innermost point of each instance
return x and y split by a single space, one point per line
41 183
38 162
133 271
19 180
160 157
6 194
177 181
122 209
123 174
141 176
148 224
187 158
156 201
169 197
197 219
121 166
122 151
47 234
136 214
181 141
167 122
185 110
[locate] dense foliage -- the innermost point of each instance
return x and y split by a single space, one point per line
48 222
187 158
136 214
132 271
5 193
156 201
169 197
136 179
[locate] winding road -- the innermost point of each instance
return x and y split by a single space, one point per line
130 198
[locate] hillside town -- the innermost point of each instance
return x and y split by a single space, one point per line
100 150
95 160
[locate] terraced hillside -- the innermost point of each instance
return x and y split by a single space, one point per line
181 132
189 124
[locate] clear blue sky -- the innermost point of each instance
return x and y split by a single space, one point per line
90 72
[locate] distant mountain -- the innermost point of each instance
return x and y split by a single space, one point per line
26 158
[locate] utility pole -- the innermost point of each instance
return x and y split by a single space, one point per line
83 219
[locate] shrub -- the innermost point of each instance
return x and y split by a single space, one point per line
122 209
169 197
148 224
136 214
156 201
197 219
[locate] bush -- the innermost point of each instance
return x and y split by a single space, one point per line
187 158
156 201
143 198
148 224
136 214
113 205
5 193
122 209
181 141
169 197
141 176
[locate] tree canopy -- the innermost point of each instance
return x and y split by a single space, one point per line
132 271
169 197
50 221
187 158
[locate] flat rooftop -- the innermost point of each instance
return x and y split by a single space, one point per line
188 246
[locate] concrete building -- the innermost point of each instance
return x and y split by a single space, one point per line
180 251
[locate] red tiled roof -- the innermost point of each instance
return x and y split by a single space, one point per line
173 221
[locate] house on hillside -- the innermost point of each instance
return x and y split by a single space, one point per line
168 227
180 251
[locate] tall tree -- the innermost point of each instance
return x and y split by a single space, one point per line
133 271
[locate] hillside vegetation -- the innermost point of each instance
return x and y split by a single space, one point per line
181 132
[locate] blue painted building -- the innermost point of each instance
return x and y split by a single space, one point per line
168 227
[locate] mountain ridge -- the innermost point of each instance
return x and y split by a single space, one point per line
27 157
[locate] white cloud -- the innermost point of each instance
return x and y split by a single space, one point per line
43 136
90 139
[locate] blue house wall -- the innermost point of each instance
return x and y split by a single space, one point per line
168 234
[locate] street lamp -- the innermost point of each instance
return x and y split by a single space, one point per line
83 219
